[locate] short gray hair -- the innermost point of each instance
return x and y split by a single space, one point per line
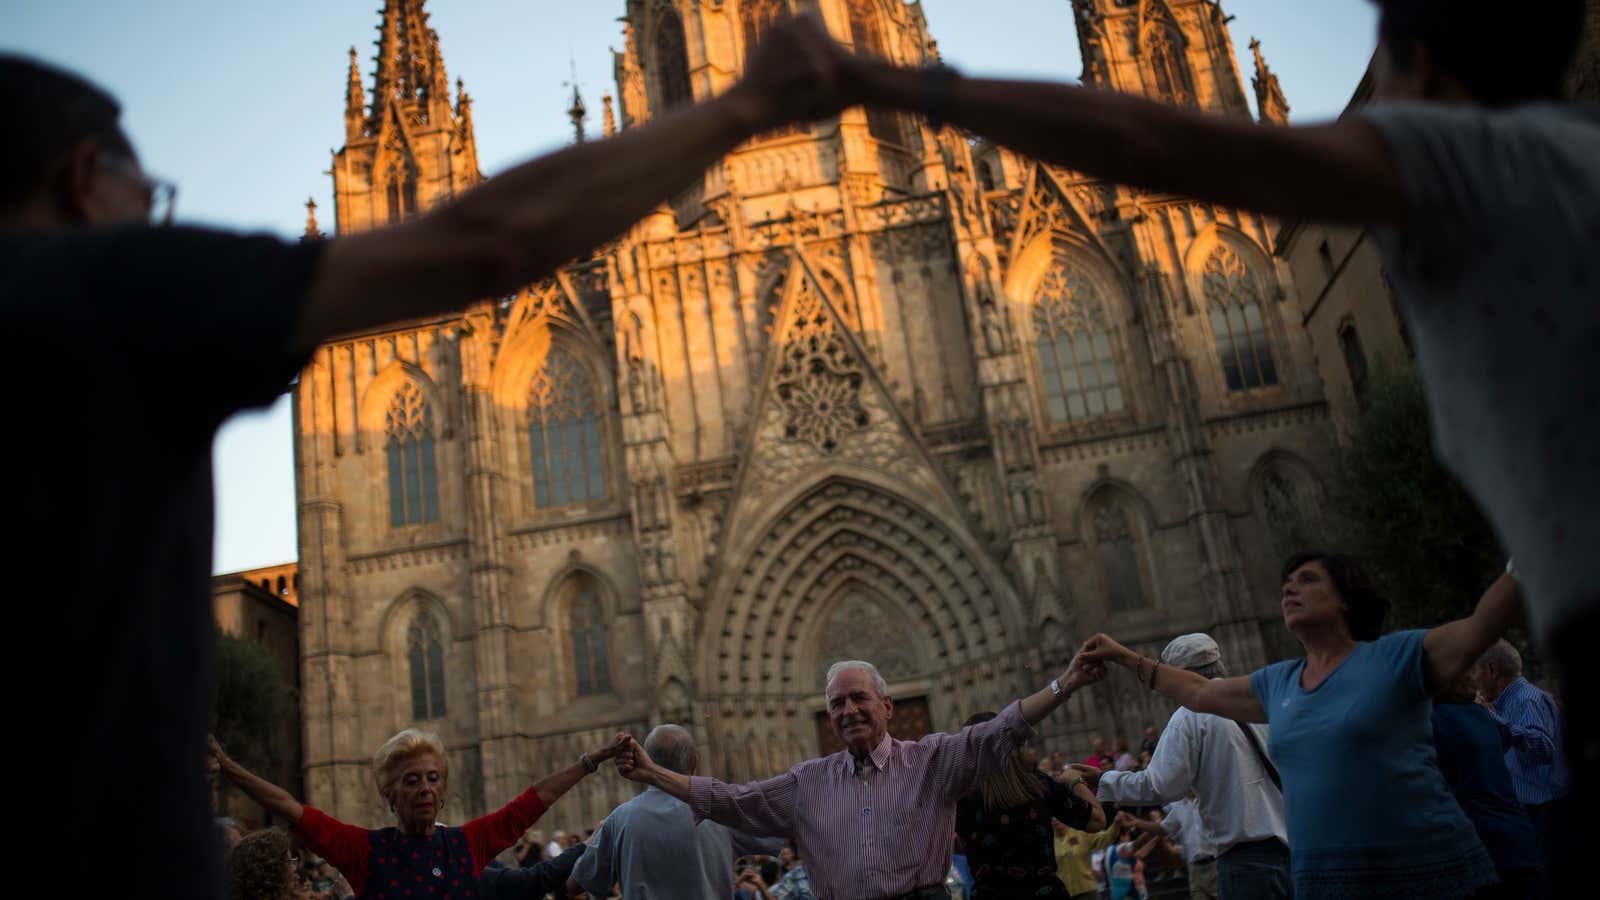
1504 656
842 665
671 746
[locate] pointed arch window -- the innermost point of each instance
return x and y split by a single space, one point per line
413 474
564 434
1237 322
758 16
401 195
590 660
1171 79
1289 503
1073 339
882 124
426 656
1117 547
672 61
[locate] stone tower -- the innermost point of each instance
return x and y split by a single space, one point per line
866 390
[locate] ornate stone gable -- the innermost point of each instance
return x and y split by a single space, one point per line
823 403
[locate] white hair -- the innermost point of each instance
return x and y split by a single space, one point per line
1504 656
401 749
869 668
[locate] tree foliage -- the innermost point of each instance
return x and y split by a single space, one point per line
1396 508
248 705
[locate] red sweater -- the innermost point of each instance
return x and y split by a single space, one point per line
349 847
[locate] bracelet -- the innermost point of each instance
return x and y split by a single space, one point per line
588 764
936 81
1153 670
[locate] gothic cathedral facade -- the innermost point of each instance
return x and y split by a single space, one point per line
868 390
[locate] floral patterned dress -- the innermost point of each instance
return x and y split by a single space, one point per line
1012 851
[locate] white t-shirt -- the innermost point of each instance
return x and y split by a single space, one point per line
1497 272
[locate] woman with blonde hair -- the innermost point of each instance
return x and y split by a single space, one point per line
1005 826
416 855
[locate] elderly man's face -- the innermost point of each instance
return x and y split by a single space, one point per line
860 715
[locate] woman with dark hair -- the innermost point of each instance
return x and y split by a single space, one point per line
1390 826
1005 826
262 866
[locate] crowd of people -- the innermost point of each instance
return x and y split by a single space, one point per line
1245 793
1413 763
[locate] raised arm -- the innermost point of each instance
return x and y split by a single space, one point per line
518 226
277 800
761 808
490 834
1231 698
1340 172
1450 650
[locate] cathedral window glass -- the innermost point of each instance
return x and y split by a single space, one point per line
1238 323
413 473
564 434
882 124
1073 340
1117 548
426 656
672 61
590 660
758 16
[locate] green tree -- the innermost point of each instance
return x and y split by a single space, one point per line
249 702
1396 508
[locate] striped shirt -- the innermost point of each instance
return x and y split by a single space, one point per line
1538 764
875 828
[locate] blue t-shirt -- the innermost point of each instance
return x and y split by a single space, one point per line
1472 755
1368 810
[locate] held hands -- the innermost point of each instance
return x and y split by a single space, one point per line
1104 649
798 73
617 745
1091 776
634 764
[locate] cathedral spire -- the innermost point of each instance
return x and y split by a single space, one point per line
577 113
410 70
355 102
609 120
312 231
1270 102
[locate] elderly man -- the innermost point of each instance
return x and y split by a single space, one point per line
1536 759
877 818
1239 800
652 846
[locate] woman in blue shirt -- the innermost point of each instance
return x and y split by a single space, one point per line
1369 813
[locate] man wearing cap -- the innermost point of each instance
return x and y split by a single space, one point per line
1238 797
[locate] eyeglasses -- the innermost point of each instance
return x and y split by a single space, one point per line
160 195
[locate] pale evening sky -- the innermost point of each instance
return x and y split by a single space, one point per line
241 102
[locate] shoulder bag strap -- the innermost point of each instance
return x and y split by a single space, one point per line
1266 763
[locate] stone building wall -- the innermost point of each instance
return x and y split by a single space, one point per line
814 418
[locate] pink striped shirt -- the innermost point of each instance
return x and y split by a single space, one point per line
874 829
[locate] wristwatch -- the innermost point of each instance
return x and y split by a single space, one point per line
588 764
1055 687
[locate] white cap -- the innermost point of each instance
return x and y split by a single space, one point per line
1191 651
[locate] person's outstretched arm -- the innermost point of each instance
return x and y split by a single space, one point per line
277 800
1341 171
490 834
519 226
1451 649
1231 698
